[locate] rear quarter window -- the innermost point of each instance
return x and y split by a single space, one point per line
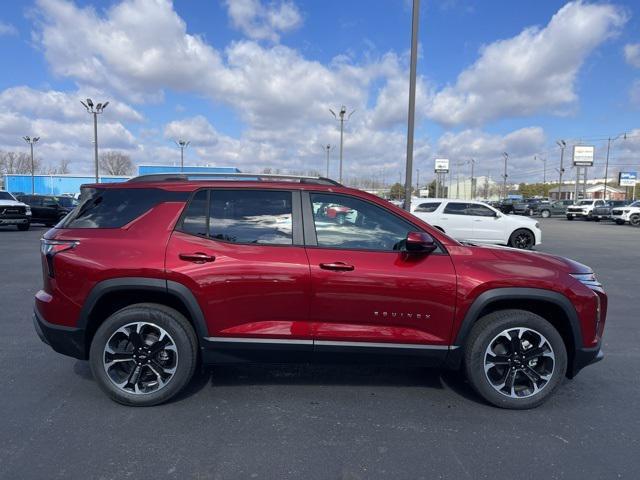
115 207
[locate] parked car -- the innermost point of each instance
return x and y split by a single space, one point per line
507 205
474 221
559 207
528 206
48 209
629 214
14 212
583 209
603 212
147 278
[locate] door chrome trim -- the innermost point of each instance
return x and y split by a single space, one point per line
330 343
287 341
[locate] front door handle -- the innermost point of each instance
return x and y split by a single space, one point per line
337 266
197 257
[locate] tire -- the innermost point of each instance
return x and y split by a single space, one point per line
589 217
439 228
545 213
341 218
569 217
619 222
523 239
596 219
24 227
177 359
634 220
487 338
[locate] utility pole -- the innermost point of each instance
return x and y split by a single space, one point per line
99 108
32 141
544 171
504 176
418 181
458 179
562 144
340 117
606 165
415 16
182 144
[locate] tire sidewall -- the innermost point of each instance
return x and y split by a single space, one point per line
486 330
169 320
513 236
545 214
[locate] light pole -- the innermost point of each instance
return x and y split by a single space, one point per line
472 161
182 144
606 165
95 111
418 181
415 16
562 144
32 141
544 171
340 117
504 176
327 148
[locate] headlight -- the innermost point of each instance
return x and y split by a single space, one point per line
588 279
28 210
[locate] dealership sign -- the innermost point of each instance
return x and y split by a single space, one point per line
442 165
583 155
628 179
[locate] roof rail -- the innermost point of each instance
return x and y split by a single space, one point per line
258 177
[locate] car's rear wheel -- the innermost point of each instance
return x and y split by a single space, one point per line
545 213
515 359
619 222
143 354
635 220
523 239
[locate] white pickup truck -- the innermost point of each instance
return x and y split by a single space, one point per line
629 213
583 209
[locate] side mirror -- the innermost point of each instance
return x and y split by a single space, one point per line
420 242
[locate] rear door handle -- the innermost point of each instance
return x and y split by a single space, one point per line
197 257
337 266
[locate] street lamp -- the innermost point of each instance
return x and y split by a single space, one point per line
327 148
562 144
606 165
504 176
472 161
95 111
32 141
544 171
343 112
182 144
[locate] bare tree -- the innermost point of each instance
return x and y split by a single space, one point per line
18 162
116 163
61 169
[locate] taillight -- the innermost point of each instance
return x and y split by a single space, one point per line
50 248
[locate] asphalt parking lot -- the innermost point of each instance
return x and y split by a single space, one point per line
322 422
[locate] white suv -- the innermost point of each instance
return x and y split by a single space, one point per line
629 213
584 209
478 222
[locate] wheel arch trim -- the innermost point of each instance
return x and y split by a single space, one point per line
159 285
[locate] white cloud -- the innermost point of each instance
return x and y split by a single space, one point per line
263 22
7 29
532 72
632 54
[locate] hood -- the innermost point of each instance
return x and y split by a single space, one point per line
11 203
533 257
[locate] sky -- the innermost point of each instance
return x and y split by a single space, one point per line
250 82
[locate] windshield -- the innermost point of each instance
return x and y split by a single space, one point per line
67 202
6 196
585 202
635 204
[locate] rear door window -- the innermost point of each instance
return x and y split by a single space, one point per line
456 208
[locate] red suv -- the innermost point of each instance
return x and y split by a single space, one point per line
147 278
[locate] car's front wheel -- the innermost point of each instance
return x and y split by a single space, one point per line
523 239
635 220
515 359
619 222
545 213
143 354
569 217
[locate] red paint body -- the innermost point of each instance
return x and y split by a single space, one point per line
281 292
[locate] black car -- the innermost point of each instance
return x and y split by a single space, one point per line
48 209
506 205
529 206
603 212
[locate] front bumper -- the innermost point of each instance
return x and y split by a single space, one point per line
65 340
584 357
577 213
15 221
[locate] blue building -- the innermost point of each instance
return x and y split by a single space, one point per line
59 184
53 184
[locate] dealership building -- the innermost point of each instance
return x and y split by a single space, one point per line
70 184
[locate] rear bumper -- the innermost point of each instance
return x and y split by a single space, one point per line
65 340
585 357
